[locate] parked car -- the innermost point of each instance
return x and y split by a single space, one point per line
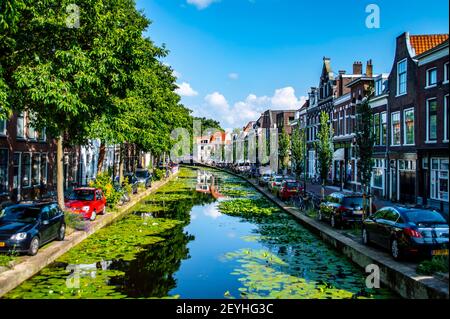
288 189
144 177
274 183
407 231
87 201
133 181
264 179
26 227
342 209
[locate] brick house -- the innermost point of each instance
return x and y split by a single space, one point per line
403 86
432 130
27 159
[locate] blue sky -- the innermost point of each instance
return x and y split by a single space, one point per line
236 58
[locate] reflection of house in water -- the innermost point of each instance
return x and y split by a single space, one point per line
207 183
90 270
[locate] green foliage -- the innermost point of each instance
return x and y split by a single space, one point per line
75 221
159 174
247 207
6 259
298 150
436 264
283 149
365 140
104 182
324 146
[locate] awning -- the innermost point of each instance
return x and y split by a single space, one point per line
339 154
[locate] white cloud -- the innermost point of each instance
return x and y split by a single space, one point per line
233 76
201 4
185 89
238 114
177 74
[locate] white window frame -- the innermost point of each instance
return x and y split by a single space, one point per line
446 75
428 141
30 184
398 77
446 98
429 85
392 128
435 181
404 126
379 164
24 133
383 141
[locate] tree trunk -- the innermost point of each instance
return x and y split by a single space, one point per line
101 157
121 152
60 171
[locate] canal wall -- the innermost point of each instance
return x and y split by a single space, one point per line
31 265
400 277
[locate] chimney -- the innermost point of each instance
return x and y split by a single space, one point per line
357 67
369 69
342 72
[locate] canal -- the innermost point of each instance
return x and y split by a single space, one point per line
206 234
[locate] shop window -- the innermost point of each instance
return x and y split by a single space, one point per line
439 179
26 170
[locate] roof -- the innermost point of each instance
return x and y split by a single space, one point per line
423 43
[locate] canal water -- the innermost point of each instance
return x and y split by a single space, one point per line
206 234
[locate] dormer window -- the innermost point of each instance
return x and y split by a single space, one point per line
431 77
379 87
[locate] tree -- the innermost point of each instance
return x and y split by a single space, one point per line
324 148
283 149
364 146
298 151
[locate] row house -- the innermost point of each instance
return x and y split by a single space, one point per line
27 159
417 151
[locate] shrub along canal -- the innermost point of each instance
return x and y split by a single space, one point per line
206 234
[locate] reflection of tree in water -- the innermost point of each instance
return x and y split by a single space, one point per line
151 273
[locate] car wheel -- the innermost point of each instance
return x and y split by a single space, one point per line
34 246
395 250
61 232
365 237
93 216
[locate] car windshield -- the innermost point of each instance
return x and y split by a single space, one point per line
20 214
141 174
352 201
81 194
425 217
291 184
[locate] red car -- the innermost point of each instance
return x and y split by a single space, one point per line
288 189
87 201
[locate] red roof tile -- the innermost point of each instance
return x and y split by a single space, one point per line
422 43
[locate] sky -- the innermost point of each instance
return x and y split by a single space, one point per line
237 58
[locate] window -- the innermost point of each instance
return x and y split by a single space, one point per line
20 126
26 169
383 128
379 87
376 128
16 169
431 120
431 77
395 128
35 169
44 168
2 127
446 118
378 173
439 179
401 77
408 127
42 135
3 171
446 71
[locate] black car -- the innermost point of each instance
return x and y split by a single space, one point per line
26 227
133 181
144 177
342 209
407 231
